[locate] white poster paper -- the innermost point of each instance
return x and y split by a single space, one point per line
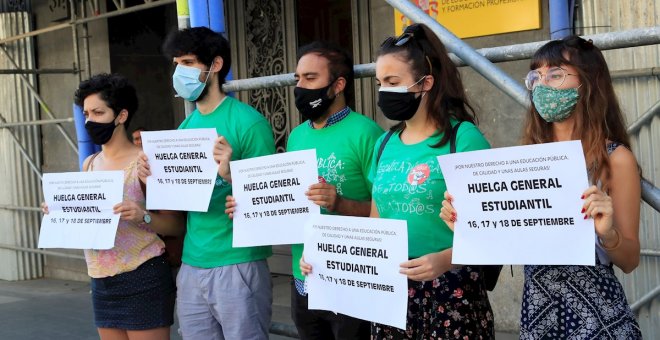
271 206
520 205
80 209
183 171
355 267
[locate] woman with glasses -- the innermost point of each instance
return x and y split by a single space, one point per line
573 98
421 89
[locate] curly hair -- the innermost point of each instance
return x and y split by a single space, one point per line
202 43
114 90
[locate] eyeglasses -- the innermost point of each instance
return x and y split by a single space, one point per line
554 78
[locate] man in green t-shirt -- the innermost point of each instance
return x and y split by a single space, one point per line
222 292
344 142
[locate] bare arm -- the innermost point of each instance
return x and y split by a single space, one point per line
625 192
374 210
168 223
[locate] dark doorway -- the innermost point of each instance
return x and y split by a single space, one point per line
326 20
135 41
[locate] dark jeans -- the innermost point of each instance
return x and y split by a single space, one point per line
322 325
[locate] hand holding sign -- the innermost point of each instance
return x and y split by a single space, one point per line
178 163
143 167
447 212
269 204
598 206
222 155
78 209
305 268
427 267
520 204
324 195
129 211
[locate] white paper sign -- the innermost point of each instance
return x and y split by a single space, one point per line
80 209
183 171
271 206
355 267
520 205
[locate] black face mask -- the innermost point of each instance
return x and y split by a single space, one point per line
397 105
312 104
100 132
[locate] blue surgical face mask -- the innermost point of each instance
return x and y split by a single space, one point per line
186 82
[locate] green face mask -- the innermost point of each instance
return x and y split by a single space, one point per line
554 105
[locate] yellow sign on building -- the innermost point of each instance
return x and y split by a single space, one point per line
474 18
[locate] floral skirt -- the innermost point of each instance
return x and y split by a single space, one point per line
575 302
453 306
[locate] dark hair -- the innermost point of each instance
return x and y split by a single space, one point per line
426 54
203 43
597 114
114 89
340 63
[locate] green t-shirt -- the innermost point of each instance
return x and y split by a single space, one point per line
343 152
208 241
408 185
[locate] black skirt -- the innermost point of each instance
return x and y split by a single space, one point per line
137 300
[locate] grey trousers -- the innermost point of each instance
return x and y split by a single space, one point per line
230 302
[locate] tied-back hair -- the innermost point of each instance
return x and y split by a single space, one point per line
426 54
597 115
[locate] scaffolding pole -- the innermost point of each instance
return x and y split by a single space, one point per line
644 119
464 51
604 41
21 149
43 104
42 252
84 20
41 71
36 122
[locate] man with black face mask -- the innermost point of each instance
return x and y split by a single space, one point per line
223 292
344 142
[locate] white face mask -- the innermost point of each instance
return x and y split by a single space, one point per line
399 89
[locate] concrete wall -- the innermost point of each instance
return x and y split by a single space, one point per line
500 119
55 50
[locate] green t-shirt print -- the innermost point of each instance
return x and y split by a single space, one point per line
408 185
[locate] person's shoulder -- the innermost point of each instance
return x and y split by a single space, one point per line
300 129
469 129
622 157
364 123
243 110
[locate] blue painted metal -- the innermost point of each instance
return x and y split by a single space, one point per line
85 145
560 21
199 13
211 14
